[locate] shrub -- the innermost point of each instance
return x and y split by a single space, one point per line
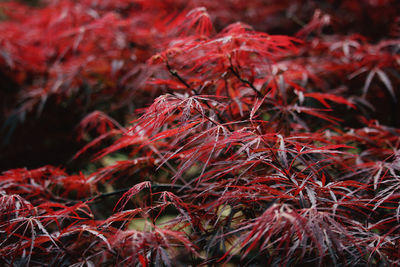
245 147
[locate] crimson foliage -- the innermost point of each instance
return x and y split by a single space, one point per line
270 141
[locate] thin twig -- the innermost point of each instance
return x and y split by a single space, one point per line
245 81
174 73
124 190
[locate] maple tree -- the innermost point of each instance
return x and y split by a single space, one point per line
203 133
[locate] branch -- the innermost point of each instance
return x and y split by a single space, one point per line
174 73
245 81
122 191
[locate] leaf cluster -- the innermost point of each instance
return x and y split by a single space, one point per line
245 147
